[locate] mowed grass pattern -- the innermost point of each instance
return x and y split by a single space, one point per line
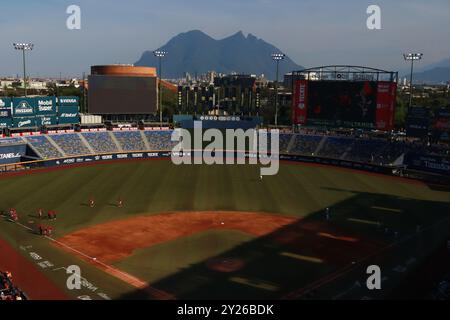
154 187
358 200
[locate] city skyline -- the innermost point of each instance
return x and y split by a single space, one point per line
311 33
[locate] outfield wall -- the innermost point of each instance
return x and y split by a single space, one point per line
124 156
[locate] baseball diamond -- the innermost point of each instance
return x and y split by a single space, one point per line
149 229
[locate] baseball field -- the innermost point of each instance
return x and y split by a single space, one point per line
215 232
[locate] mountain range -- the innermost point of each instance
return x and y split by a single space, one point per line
195 52
438 72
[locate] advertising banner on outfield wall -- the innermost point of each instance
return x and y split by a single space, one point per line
68 101
300 102
23 107
436 164
27 122
386 99
12 154
45 105
46 120
5 103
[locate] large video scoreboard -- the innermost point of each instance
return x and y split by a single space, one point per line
122 95
344 99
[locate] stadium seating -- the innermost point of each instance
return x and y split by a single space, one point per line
335 147
362 149
44 147
160 140
285 139
8 291
365 150
101 142
305 144
130 140
9 141
71 144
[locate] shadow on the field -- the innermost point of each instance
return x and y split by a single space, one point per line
317 257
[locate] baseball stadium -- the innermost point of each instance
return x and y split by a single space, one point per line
140 227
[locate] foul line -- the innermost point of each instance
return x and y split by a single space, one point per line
119 274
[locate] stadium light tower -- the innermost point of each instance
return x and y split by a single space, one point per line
412 57
160 55
24 47
277 57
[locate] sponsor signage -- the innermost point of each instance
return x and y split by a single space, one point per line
5 102
386 97
45 105
5 113
23 107
149 155
300 102
436 164
68 115
46 120
12 154
24 122
5 122
68 101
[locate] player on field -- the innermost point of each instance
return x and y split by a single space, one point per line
41 213
120 203
51 215
13 215
92 203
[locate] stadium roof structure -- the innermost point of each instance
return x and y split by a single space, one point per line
346 73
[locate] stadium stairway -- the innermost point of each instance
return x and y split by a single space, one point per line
49 138
291 144
86 143
347 151
144 138
321 144
32 148
113 138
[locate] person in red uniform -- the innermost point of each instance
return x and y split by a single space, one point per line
13 215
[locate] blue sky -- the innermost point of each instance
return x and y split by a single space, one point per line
311 32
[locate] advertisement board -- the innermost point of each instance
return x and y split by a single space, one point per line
24 122
5 113
12 154
435 164
68 101
72 110
23 107
441 125
300 102
442 120
49 120
5 103
45 105
68 118
5 123
386 99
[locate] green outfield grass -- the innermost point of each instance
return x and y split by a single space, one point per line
359 202
166 259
